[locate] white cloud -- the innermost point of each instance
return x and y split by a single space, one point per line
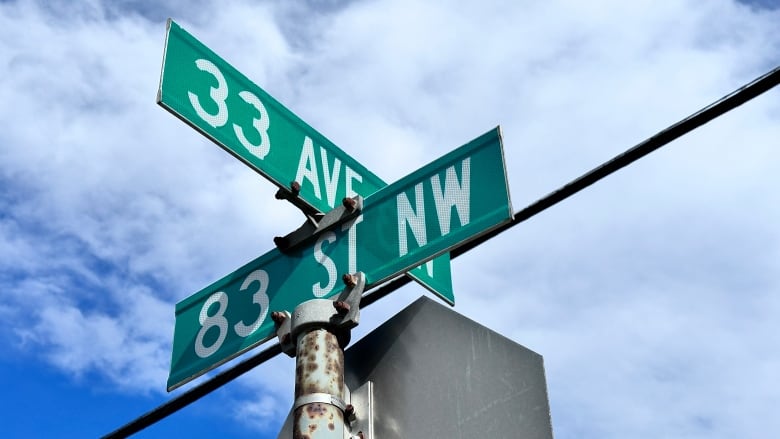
129 349
263 397
101 198
260 413
652 295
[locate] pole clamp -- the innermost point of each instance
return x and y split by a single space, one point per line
339 315
323 398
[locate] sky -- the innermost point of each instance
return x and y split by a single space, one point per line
653 295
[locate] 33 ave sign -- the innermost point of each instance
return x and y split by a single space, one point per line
430 211
206 92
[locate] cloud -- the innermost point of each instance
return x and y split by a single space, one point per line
129 350
108 216
263 397
652 295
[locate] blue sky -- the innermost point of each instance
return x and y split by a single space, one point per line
653 296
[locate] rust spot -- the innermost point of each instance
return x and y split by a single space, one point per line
341 307
278 317
312 428
316 410
311 367
349 279
331 426
349 204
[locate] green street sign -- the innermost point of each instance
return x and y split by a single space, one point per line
210 95
448 202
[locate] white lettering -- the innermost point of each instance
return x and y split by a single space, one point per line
217 320
351 228
307 167
218 94
260 124
454 194
429 267
327 263
259 297
350 176
416 221
331 180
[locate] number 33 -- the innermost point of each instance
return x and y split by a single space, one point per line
219 95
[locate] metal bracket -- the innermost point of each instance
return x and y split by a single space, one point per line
316 223
347 304
282 320
360 412
291 195
340 314
324 398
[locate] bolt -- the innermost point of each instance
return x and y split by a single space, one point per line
286 194
349 203
350 280
281 242
349 414
278 317
341 307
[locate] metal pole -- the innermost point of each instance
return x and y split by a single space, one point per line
319 378
316 334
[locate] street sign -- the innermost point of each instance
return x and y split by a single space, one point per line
203 90
452 200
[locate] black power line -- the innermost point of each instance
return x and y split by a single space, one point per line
725 104
720 107
194 394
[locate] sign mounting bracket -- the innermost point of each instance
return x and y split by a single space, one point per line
340 314
315 225
292 194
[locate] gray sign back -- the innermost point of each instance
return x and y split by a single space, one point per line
439 374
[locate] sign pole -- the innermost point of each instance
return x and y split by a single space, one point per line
319 382
320 329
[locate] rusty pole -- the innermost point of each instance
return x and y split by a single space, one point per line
319 384
316 334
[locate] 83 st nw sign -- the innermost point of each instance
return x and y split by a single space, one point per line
425 214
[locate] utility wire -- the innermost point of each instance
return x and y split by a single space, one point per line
714 110
194 394
727 103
